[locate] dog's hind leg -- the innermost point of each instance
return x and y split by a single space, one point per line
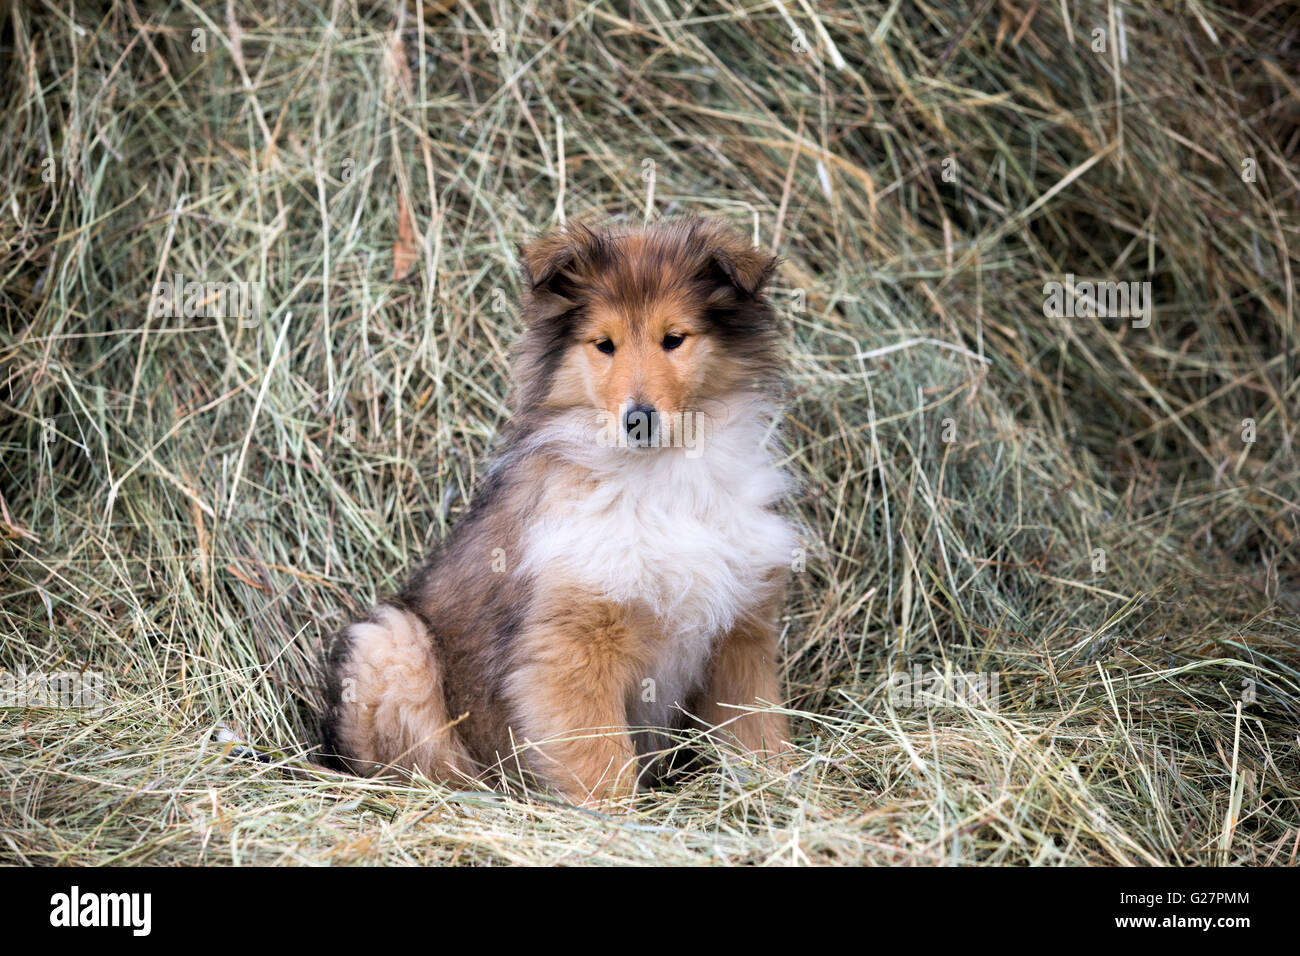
385 704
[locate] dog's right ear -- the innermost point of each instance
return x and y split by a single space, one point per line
553 264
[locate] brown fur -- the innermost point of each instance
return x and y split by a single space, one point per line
744 670
475 670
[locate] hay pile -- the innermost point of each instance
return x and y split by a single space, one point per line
1071 505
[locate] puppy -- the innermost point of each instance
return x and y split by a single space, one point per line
622 567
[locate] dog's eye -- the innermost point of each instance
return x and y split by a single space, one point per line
606 346
672 340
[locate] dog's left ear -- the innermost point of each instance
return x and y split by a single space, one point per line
733 259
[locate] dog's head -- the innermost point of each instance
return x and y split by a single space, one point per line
645 323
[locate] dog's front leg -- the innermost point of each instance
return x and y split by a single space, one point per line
569 693
743 673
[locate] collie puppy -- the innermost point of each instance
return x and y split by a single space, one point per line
622 567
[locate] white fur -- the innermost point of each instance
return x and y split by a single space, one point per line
689 535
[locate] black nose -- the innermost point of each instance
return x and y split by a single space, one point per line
641 422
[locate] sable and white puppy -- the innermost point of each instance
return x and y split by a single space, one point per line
621 569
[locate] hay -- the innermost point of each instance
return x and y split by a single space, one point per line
191 502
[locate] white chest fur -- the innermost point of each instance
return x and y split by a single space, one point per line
691 537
